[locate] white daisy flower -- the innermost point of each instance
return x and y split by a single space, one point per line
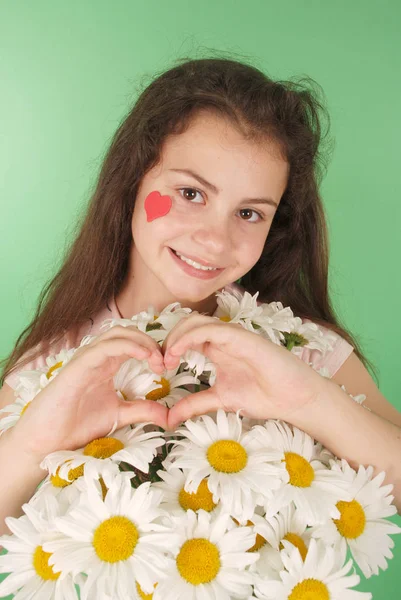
68 491
234 309
132 446
363 525
15 410
235 464
29 384
156 325
28 563
164 388
114 541
134 376
308 335
176 501
57 361
313 487
273 321
209 560
37 379
288 524
199 364
322 575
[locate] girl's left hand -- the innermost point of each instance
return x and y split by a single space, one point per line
263 379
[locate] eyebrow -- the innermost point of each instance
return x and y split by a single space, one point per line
214 189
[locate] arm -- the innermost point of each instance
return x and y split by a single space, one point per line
350 431
19 475
357 380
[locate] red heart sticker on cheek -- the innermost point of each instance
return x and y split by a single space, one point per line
157 205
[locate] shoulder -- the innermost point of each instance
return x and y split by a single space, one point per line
334 357
331 359
71 339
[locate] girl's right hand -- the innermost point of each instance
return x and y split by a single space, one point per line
80 404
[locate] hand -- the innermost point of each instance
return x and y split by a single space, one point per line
80 404
252 373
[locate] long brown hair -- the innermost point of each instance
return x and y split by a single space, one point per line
293 267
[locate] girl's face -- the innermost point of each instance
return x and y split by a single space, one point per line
215 215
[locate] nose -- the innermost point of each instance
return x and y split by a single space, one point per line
213 237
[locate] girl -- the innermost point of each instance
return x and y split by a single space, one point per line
213 176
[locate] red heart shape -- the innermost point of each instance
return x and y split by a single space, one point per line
157 205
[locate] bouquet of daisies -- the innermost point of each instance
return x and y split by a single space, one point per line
222 508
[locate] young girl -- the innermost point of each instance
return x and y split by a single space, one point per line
212 177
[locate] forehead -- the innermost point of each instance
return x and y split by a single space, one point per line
214 147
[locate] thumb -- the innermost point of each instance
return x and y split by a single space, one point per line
199 403
142 411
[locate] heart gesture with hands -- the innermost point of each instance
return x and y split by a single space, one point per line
253 374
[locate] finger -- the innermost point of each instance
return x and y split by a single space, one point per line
155 359
186 324
106 358
218 333
141 411
193 405
131 332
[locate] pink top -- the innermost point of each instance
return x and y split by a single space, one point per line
332 360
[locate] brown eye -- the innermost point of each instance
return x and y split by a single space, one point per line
191 193
248 213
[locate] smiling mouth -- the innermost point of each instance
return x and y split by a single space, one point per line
194 271
197 264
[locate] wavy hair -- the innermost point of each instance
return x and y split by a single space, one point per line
293 267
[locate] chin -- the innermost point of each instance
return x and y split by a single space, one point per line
188 295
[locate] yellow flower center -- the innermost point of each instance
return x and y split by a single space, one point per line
227 456
41 565
309 589
198 561
296 541
160 392
103 447
142 594
115 539
124 395
351 523
225 318
299 469
53 368
202 498
73 474
25 407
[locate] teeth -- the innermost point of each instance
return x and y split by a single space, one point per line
195 264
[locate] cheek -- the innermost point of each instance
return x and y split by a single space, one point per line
157 206
251 250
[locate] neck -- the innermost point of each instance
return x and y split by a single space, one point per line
135 297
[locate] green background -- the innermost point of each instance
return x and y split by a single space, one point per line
70 70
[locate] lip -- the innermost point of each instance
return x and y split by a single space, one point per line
191 270
198 260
